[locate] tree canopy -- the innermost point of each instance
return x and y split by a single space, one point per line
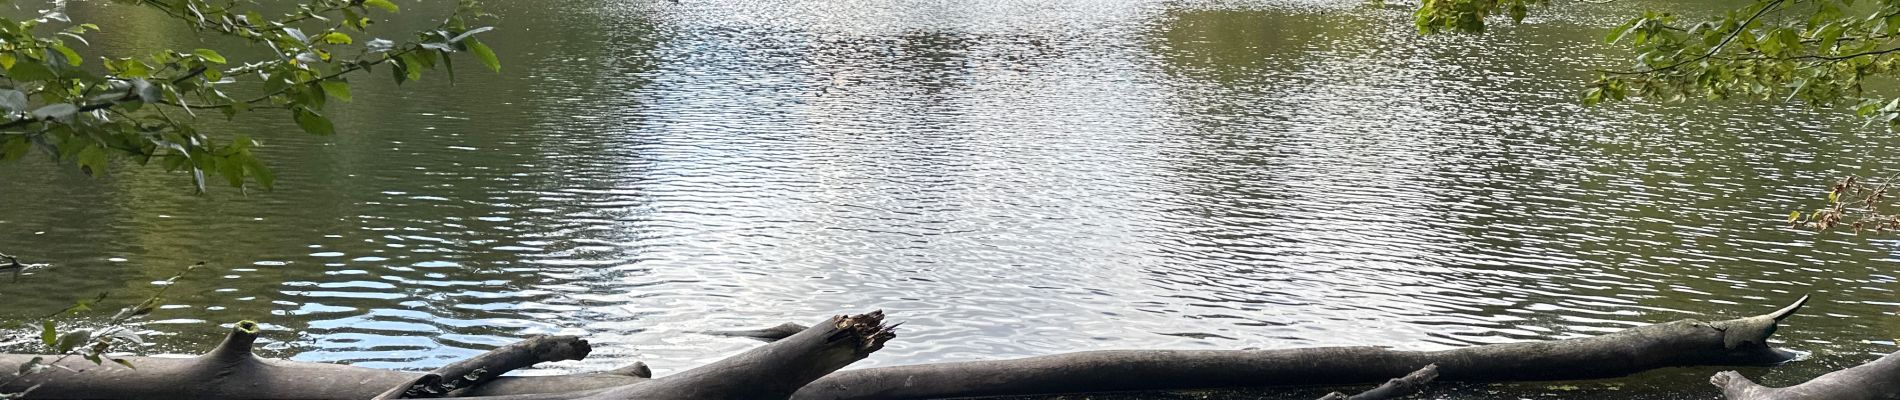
85 110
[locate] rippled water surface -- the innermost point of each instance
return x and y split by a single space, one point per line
1008 177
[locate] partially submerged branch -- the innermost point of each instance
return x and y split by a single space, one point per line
768 334
1876 380
488 366
1397 387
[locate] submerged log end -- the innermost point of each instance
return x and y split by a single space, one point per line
1396 388
637 370
1735 386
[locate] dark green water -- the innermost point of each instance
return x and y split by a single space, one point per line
1010 178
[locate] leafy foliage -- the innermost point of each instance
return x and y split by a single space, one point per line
145 107
93 344
1816 52
1854 204
1436 16
1821 53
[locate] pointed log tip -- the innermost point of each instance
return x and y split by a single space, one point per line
1789 311
1757 329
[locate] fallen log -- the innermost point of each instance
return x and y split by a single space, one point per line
801 366
1407 385
1875 380
773 371
231 371
1742 341
487 366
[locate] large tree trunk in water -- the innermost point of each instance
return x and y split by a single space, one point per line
1877 380
1681 343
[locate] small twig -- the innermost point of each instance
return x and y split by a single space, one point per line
13 265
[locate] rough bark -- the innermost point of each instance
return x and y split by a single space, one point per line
1407 385
802 366
230 371
773 371
1876 380
1740 341
487 366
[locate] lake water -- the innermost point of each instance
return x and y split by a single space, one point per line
1007 177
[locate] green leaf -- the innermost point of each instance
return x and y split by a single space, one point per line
337 38
258 170
482 52
30 71
336 88
72 339
233 171
127 364
72 57
312 122
49 335
15 147
92 160
412 65
209 55
383 4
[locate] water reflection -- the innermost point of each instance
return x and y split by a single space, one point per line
1011 178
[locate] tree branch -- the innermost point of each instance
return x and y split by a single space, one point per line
1743 27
